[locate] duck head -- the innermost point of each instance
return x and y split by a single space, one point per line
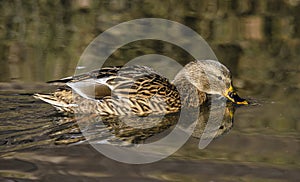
211 77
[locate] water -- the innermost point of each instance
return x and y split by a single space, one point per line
257 40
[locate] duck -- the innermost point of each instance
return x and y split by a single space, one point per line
140 90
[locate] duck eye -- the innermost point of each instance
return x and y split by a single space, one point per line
219 78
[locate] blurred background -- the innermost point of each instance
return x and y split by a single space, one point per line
258 40
43 40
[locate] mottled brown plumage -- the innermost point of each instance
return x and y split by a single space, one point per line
116 91
140 90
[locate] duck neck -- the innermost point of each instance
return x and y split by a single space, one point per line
190 96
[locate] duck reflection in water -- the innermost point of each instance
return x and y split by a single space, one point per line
212 121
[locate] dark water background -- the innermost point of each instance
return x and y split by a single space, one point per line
258 40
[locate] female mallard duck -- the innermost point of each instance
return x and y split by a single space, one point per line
142 91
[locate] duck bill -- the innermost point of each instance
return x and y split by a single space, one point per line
234 97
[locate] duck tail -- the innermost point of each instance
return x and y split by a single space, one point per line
62 80
56 102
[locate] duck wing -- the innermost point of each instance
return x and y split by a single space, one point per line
129 81
132 88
